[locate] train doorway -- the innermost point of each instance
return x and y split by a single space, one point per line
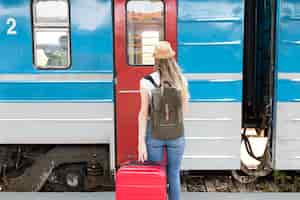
138 26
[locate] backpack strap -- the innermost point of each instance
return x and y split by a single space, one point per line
167 83
149 78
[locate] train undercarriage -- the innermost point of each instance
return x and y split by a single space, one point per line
65 168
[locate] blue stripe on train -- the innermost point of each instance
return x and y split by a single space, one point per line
210 40
215 91
201 91
288 90
210 59
56 91
287 36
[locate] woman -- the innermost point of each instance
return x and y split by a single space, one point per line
166 69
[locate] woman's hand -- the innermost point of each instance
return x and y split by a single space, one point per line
142 151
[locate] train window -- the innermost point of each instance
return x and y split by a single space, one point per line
145 27
51 48
51 31
49 12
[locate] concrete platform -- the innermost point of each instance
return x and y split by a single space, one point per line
185 196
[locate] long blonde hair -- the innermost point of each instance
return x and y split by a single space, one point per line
170 71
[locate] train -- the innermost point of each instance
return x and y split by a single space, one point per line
69 87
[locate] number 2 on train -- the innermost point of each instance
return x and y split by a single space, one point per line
12 22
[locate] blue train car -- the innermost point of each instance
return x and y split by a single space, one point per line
69 85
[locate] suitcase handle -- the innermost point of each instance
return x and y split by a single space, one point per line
145 163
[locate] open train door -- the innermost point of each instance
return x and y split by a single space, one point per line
138 26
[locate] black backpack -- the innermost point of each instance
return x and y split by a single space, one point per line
165 111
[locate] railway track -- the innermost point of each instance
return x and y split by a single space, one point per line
229 184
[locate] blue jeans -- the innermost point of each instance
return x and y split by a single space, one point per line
175 149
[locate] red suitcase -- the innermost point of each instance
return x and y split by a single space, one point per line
146 181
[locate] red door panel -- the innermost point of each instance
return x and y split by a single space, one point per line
128 77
